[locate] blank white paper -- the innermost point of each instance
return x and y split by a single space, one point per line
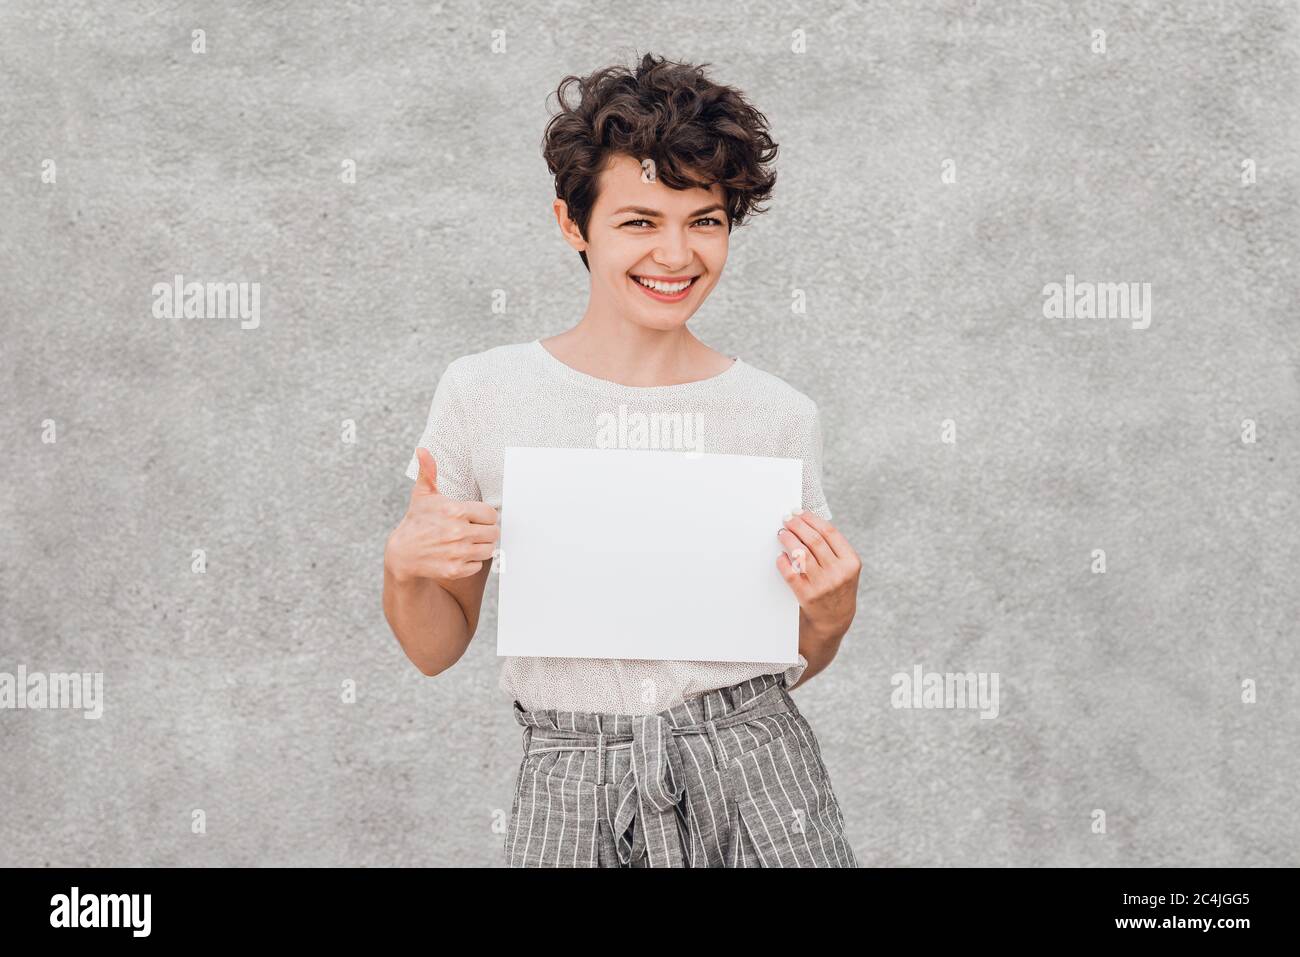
639 553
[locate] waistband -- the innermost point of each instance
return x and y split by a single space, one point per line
697 709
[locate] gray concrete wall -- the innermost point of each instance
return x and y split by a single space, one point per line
1120 691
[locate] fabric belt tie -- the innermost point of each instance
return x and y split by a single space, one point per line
654 785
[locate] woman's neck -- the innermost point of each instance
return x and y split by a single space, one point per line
635 355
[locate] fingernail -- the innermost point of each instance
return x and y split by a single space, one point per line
788 516
798 511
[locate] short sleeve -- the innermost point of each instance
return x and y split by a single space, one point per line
814 499
446 436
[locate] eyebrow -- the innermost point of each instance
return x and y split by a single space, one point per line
643 211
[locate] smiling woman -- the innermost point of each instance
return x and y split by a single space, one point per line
638 762
648 246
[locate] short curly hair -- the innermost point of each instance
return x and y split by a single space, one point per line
697 132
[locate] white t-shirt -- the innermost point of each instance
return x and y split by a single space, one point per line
521 395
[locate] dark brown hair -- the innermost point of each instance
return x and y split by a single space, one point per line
697 132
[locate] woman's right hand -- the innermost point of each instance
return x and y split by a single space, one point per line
439 538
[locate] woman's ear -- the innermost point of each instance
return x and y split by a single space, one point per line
568 228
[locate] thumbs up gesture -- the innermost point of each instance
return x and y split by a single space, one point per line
441 538
426 483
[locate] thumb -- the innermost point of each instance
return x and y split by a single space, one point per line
427 481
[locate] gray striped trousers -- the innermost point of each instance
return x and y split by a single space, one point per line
730 778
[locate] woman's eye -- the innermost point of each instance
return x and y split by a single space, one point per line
706 219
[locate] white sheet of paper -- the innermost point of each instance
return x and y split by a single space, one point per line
638 553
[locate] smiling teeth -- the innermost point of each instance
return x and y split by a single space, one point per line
664 287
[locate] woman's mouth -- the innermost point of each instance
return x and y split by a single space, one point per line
665 291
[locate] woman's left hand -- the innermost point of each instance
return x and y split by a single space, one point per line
822 569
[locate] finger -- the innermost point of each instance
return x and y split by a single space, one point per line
797 551
480 513
427 481
458 571
797 581
468 520
834 538
480 534
476 553
817 544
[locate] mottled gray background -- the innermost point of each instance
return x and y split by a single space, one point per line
1119 691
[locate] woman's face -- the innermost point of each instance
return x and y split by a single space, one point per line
645 230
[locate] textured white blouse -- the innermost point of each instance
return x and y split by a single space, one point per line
522 395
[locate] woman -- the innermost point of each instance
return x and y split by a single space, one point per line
636 762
